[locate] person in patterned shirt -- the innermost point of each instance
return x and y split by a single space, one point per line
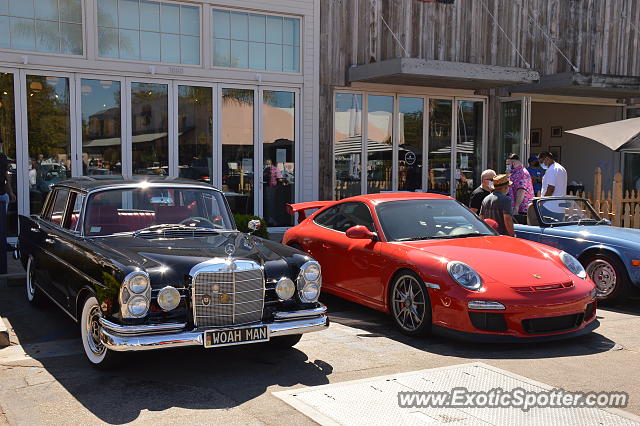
521 192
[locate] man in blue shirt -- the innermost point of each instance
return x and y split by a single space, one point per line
536 173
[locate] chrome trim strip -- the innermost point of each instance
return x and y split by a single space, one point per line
141 329
281 316
195 337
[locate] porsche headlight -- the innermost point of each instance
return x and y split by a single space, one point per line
464 275
309 282
573 265
135 295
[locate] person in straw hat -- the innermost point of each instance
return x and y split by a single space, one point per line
497 205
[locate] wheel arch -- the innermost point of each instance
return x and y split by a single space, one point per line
611 251
399 270
84 293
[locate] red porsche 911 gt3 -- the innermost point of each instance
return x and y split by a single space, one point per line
434 265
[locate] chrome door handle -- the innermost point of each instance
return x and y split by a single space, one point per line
49 240
35 229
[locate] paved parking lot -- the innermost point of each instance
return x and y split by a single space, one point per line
45 378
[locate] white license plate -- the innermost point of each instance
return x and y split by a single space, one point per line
235 336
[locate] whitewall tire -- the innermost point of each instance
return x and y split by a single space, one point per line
34 294
97 354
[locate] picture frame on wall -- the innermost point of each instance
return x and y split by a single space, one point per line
536 138
556 131
556 151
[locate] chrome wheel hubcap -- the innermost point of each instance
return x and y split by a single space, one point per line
93 331
408 302
603 275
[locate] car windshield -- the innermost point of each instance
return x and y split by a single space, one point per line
424 219
567 212
134 209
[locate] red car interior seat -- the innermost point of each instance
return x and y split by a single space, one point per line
172 214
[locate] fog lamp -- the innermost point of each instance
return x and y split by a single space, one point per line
285 288
168 298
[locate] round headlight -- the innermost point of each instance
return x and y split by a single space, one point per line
138 282
310 292
311 271
137 306
168 298
285 288
464 275
573 265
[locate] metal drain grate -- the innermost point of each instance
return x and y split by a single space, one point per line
374 401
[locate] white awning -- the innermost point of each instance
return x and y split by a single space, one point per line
613 135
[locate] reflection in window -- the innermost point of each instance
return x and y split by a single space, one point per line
510 125
278 170
255 41
101 128
347 149
48 121
379 143
237 149
468 149
439 166
149 125
53 26
8 138
410 144
149 31
195 138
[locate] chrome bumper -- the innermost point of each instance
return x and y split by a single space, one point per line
139 338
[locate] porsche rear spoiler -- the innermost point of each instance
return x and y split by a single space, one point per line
301 208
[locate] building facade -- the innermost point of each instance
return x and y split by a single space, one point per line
220 91
424 95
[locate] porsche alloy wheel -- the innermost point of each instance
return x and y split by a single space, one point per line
608 275
34 294
96 352
410 304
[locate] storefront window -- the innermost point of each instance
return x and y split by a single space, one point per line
195 133
439 163
149 31
379 143
278 170
237 149
149 125
53 26
468 148
255 41
49 126
347 148
8 138
410 125
101 127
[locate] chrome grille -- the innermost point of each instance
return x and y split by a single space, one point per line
236 296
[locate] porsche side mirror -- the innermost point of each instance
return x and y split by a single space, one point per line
253 225
360 232
492 223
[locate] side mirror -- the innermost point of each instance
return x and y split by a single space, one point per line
360 232
492 223
253 225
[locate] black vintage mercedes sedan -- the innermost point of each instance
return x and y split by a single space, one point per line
151 263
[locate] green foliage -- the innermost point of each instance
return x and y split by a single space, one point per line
242 223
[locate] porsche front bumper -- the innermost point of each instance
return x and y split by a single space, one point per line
139 338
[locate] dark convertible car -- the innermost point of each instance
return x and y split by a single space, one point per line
155 263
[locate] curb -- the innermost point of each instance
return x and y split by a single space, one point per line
4 334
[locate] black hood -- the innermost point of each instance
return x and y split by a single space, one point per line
169 260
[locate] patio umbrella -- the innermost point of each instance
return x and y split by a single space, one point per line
616 135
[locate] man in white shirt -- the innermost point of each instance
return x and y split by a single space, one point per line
554 181
554 184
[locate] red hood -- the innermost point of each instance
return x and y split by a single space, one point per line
507 260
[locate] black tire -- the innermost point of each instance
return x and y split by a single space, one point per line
411 314
97 354
609 275
35 296
285 342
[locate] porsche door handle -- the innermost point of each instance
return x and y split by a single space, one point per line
326 246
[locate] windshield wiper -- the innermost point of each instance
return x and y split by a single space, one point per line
165 226
424 237
470 234
587 220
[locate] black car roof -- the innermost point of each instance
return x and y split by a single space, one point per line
91 183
